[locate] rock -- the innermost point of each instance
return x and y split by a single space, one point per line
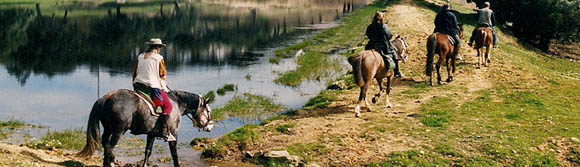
249 154
575 139
338 85
284 156
299 53
312 165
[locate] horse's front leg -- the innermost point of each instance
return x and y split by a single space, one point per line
173 149
148 147
378 95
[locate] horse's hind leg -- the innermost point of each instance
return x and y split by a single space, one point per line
449 75
438 72
116 136
148 147
388 91
105 142
487 57
479 57
360 98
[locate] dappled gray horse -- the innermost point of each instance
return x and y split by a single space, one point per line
122 110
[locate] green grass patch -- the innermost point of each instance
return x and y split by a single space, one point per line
321 101
68 139
411 158
248 106
437 112
12 123
210 95
307 151
284 129
238 140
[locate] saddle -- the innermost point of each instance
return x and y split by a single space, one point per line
387 59
154 110
451 40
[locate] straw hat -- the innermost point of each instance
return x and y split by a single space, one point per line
155 41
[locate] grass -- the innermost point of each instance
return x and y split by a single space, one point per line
238 140
437 112
226 88
68 139
12 123
210 95
284 129
307 151
321 100
247 106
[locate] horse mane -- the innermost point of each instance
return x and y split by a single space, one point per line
185 98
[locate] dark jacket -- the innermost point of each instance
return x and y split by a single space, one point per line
379 36
446 22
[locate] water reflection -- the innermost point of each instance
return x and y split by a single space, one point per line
198 33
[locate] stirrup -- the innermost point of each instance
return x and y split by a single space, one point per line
170 137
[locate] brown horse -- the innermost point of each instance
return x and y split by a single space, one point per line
369 65
483 38
438 43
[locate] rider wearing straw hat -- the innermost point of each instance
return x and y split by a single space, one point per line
149 77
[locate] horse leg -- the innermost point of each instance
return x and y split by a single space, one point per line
360 98
478 58
487 56
449 75
104 142
148 147
111 146
173 149
388 91
368 84
378 95
438 73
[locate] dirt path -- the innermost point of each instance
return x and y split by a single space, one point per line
13 155
356 141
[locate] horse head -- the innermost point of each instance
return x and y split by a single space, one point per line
404 48
198 108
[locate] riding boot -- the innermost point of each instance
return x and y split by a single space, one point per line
397 72
162 130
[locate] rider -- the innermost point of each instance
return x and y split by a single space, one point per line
149 77
446 23
486 19
379 39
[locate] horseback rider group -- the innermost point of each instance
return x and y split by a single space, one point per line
379 34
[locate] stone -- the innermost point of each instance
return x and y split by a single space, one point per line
338 85
312 165
575 139
283 155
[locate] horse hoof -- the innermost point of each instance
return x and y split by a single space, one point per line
374 100
357 115
390 106
369 110
449 80
439 82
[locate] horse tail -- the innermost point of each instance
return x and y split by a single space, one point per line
431 45
93 130
356 63
484 37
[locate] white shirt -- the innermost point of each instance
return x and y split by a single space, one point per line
148 71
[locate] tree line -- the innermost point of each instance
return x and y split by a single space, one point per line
539 22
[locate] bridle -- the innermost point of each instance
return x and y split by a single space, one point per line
197 110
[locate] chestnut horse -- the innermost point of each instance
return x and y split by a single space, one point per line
366 66
438 43
483 38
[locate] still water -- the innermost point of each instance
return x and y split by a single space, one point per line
57 60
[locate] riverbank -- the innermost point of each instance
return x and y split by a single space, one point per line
522 110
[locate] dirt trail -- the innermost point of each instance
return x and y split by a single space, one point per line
356 141
13 155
